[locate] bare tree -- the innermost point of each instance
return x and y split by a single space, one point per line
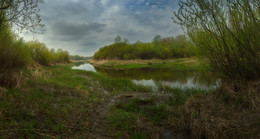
22 14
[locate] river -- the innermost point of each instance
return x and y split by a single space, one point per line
157 78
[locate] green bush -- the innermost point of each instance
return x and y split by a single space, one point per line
165 48
42 55
13 56
62 56
227 33
77 57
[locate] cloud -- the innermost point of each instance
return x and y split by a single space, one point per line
76 31
84 26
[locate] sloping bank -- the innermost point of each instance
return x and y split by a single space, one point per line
223 113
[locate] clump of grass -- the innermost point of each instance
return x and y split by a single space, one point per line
155 111
223 113
181 95
35 112
125 121
143 112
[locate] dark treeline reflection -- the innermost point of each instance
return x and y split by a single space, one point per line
167 75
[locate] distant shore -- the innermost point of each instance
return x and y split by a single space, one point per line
181 63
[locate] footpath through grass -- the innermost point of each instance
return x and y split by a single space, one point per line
53 102
150 115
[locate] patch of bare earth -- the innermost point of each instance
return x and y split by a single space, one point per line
99 112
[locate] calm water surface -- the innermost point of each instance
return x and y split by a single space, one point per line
85 66
157 78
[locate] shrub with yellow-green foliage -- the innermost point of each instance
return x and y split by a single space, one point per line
42 55
16 54
61 56
13 55
165 48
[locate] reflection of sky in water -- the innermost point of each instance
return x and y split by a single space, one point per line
85 66
146 83
175 84
188 82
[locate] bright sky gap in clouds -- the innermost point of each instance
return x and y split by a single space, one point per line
84 26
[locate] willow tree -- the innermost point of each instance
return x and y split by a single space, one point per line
227 32
21 14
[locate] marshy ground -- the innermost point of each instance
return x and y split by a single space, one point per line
59 102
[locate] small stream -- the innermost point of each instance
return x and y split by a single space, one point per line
157 77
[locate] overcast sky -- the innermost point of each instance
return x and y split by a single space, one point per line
83 26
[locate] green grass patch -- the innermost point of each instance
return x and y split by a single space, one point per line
156 111
181 95
125 121
54 99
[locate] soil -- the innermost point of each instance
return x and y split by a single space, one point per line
99 112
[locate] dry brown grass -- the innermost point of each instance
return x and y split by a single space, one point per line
2 90
10 79
15 78
125 62
224 113
37 70
140 61
146 126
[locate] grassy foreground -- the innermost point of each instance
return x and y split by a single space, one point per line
57 102
53 102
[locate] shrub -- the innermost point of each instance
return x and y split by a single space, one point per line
42 55
13 56
164 48
227 33
62 56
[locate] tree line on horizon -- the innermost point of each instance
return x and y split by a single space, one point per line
160 48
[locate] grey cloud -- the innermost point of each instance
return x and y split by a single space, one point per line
84 26
76 31
80 10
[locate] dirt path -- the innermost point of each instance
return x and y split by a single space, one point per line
98 117
99 111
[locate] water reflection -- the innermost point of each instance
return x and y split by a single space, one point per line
161 77
84 66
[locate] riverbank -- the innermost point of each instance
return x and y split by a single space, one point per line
175 64
224 113
59 102
55 101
